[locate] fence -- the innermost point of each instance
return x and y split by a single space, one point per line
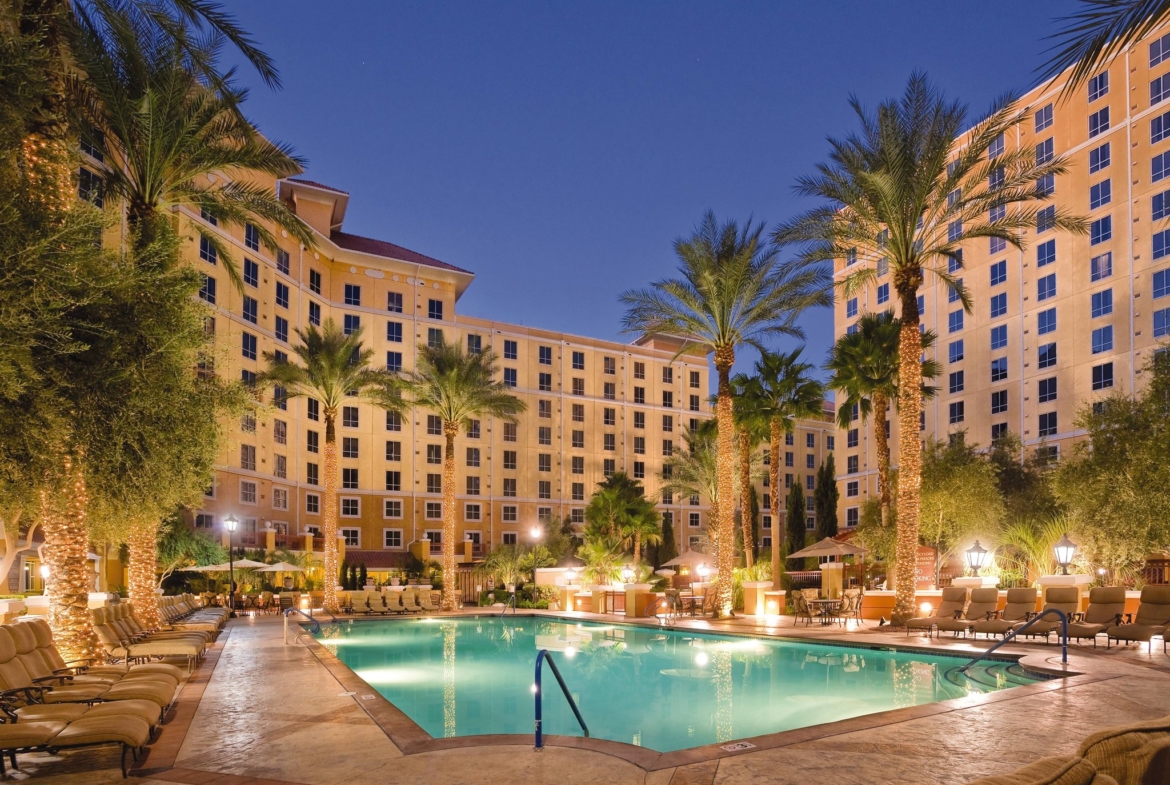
1156 571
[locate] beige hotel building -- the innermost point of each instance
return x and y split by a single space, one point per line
1072 318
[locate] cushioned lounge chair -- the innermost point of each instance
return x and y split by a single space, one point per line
357 603
850 606
53 659
1151 620
393 600
118 647
983 606
428 599
376 602
410 601
1021 603
1137 754
1106 609
131 733
954 602
1066 599
1052 771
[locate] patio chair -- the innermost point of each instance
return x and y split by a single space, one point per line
426 598
286 602
1106 609
410 601
1066 599
801 609
394 603
1021 603
118 647
982 607
954 602
1151 620
1137 754
850 606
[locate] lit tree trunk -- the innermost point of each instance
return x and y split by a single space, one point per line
143 545
725 483
450 590
776 433
637 547
745 490
909 457
45 147
329 512
880 405
63 519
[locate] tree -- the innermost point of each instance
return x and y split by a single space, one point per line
181 546
333 369
668 550
903 195
504 562
960 497
794 516
458 387
731 293
692 471
619 509
1099 32
1115 485
642 526
865 366
1025 481
751 428
601 556
825 498
782 391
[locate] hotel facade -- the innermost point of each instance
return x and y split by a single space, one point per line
1070 319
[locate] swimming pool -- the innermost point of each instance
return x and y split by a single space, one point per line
661 689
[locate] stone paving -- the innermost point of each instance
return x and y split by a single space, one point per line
260 711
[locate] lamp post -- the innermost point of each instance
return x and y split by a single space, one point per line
570 575
230 523
536 532
976 556
1065 550
627 574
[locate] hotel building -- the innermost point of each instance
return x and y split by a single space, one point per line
1071 318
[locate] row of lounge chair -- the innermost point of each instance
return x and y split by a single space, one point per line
188 633
365 603
978 613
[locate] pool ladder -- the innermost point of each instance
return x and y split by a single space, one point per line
1063 637
511 603
315 627
542 657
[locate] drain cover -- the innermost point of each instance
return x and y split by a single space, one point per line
737 746
367 697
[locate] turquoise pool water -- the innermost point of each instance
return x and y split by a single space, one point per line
665 690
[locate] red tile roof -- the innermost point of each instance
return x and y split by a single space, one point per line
299 181
353 242
377 560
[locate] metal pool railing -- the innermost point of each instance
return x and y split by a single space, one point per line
542 657
1024 626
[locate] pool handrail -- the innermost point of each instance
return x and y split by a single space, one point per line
543 656
1013 633
659 604
510 603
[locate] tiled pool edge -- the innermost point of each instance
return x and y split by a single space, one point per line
411 739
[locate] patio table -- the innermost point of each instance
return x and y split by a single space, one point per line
826 610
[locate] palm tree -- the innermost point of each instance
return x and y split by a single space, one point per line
642 525
864 364
751 429
458 387
334 369
693 471
1099 32
605 513
732 292
782 391
908 191
601 555
176 141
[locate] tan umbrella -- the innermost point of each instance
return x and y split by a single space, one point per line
281 566
827 547
248 564
689 559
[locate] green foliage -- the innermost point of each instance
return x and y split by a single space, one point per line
460 386
754 511
180 546
362 577
1025 484
668 550
602 556
794 518
784 390
506 563
825 498
1026 546
619 509
692 470
960 496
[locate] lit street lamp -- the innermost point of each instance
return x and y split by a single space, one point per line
627 574
230 523
536 532
976 556
1065 550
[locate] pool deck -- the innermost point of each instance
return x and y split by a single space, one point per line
260 711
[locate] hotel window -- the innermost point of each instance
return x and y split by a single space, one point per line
473 486
667 375
1099 158
248 378
1046 321
394 332
314 314
578 464
667 448
851 488
1161 284
1101 266
851 308
349 416
1046 355
434 337
251 273
955 382
883 294
1102 303
434 454
247 492
471 512
282 264
435 309
1044 152
578 440
852 466
694 403
1161 245
955 351
349 478
694 520
394 361
851 438
1045 219
1043 117
394 302
392 538
509 516
473 456
998 431
1103 339
393 480
312 441
251 310
1159 89
1048 425
252 236
1046 287
999 369
510 429
999 337
434 425
544 435
509 459
249 346
543 462
1101 230
810 441
510 487
279 432
789 458
544 409
956 412
998 305
1046 390
352 537
996 244
610 391
312 503
474 344
1102 376
248 457
639 470
1045 184
609 365
1099 86
667 399
995 149
955 231
609 416
998 273
545 355
578 412
434 483
955 321
509 377
810 484
667 423
510 350
1160 128
281 329
314 282
1099 122
473 427
578 361
207 290
883 266
639 370
608 467
349 447
609 442
1159 166
1162 323
694 380
1100 194
810 462
578 492
639 395
1160 50
393 421
434 511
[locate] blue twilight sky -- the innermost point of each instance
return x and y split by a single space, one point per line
556 149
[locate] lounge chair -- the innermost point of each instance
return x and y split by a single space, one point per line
358 605
410 601
394 602
426 598
954 602
1106 609
1137 754
131 733
1021 603
1151 620
1051 771
118 647
983 605
1066 599
376 602
80 668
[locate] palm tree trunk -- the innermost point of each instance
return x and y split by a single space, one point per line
63 519
45 147
725 484
776 433
880 405
909 457
745 491
329 513
143 545
450 590
637 547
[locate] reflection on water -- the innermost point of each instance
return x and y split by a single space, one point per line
661 689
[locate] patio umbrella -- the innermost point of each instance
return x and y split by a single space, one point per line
205 568
827 547
689 559
249 564
665 573
281 566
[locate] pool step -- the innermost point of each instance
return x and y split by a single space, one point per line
989 676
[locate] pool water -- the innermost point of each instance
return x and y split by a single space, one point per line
661 689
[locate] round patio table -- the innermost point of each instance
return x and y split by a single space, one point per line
826 610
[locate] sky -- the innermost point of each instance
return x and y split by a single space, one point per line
557 149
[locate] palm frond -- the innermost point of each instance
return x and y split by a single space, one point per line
1097 33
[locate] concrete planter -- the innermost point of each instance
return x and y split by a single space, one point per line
754 603
10 610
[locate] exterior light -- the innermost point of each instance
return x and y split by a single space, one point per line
230 523
1065 550
703 570
976 556
926 608
44 572
536 532
571 574
627 574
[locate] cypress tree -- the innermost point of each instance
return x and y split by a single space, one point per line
668 549
362 577
795 517
825 498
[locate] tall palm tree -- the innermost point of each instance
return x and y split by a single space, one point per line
908 191
642 526
864 365
694 470
458 387
1093 36
176 141
782 391
751 429
333 368
732 292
